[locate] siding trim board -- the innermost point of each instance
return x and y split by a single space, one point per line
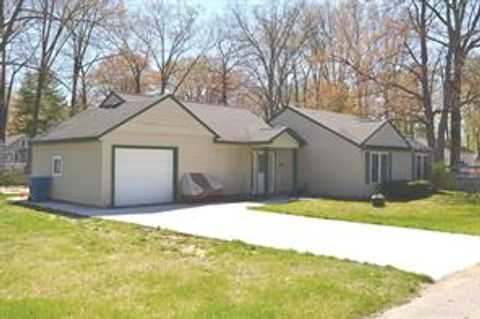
175 168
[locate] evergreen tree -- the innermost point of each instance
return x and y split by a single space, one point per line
53 106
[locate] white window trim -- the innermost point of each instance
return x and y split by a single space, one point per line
379 167
56 158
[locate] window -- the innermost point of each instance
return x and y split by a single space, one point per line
57 166
422 166
379 167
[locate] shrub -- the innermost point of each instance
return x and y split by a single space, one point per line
406 190
441 177
13 178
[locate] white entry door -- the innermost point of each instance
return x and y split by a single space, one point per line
143 176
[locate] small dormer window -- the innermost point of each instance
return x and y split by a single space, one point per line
112 101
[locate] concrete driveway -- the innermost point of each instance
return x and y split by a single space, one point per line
435 254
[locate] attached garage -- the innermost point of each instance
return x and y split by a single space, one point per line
133 150
143 175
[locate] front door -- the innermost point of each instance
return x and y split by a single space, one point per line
263 174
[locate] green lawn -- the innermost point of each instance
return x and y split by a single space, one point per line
447 211
57 267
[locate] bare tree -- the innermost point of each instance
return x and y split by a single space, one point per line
84 30
52 18
459 35
11 22
422 68
125 36
171 33
226 60
271 46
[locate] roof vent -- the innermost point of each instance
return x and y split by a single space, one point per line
111 101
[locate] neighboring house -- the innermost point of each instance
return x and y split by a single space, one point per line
14 153
467 157
348 156
134 150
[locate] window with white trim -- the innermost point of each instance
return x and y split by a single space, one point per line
57 166
379 167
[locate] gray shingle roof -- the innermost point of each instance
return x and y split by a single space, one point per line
351 127
228 124
95 121
234 124
419 144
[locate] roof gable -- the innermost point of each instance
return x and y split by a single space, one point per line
95 122
358 131
349 127
386 136
225 123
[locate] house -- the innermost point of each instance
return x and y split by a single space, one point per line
467 157
134 150
348 156
14 153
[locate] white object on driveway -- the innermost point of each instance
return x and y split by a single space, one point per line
435 254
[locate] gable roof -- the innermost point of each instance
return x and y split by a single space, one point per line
352 128
14 138
234 124
227 124
419 145
95 122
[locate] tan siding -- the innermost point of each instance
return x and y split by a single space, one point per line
81 179
285 140
386 136
328 164
284 177
169 125
401 165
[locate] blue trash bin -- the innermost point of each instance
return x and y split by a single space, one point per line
39 188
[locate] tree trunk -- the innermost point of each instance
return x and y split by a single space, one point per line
477 143
84 97
75 76
224 97
443 124
456 115
425 83
37 102
3 76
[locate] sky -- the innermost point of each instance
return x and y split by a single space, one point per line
209 7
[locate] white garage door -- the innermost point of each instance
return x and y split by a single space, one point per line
143 176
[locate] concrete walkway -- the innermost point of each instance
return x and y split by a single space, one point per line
454 297
435 254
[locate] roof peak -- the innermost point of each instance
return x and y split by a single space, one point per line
360 118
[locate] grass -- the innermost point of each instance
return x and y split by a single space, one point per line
446 211
57 267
